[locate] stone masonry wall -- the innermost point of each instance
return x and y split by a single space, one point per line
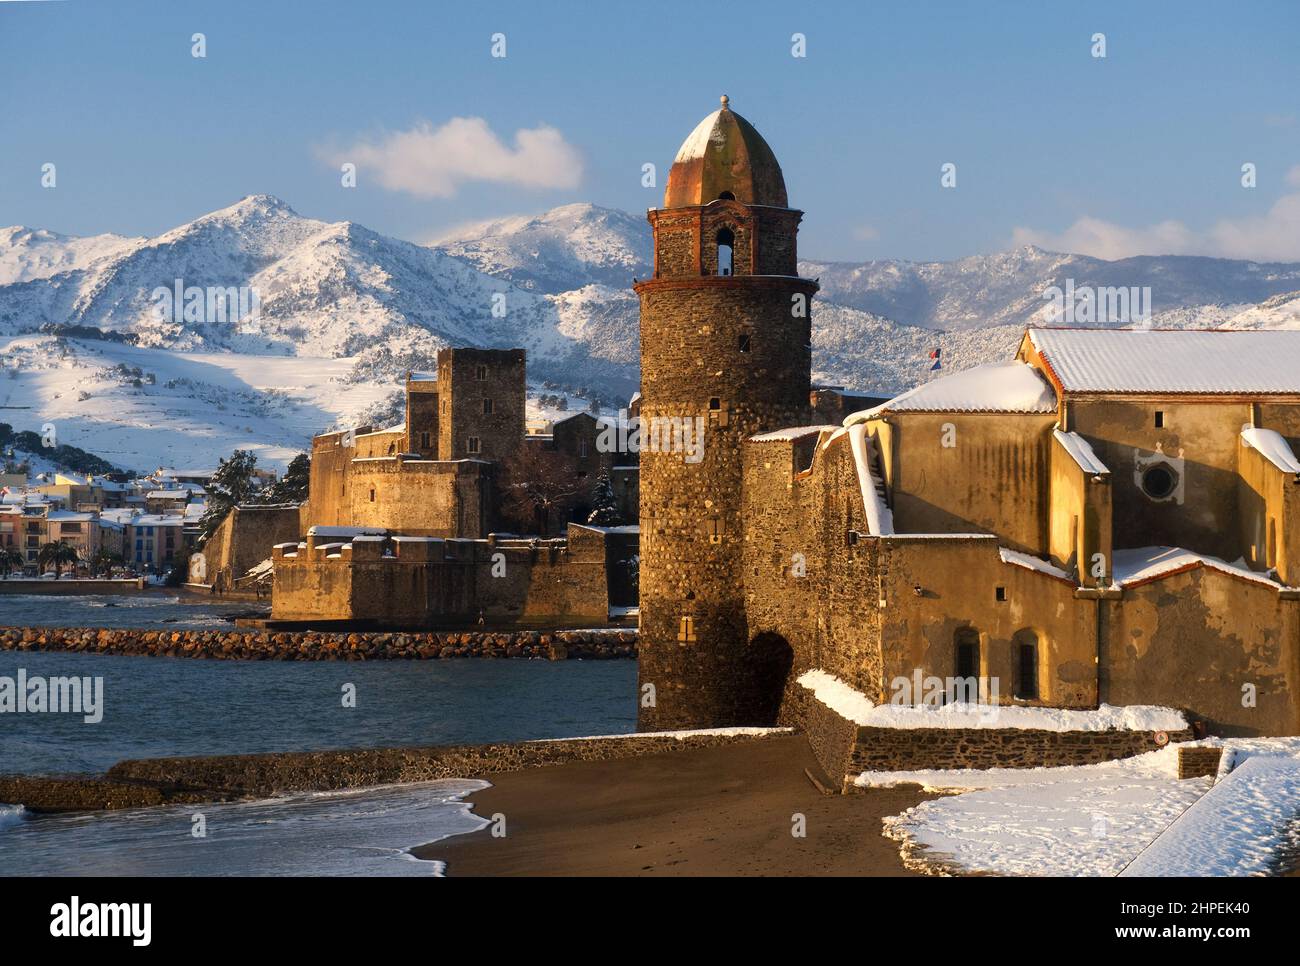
691 530
907 749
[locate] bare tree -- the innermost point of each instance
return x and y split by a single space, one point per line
537 487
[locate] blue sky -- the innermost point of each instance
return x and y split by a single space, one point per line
1140 151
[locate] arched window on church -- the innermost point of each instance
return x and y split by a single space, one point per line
726 196
1024 654
966 645
726 241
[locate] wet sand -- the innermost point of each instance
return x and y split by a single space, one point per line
724 811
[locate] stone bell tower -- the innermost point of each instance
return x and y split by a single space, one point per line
725 349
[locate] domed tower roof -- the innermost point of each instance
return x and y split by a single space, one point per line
725 156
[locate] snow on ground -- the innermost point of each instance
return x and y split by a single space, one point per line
1094 820
1082 825
1237 828
849 703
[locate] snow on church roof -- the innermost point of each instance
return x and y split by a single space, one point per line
1080 451
1171 360
995 387
790 433
1272 446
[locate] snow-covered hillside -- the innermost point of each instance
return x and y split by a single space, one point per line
564 249
345 312
1007 288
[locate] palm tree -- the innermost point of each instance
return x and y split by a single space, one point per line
57 553
10 560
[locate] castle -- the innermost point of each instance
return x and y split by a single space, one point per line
1105 518
404 526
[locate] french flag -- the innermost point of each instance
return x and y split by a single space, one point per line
934 354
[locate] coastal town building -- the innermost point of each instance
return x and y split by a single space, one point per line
1108 518
101 520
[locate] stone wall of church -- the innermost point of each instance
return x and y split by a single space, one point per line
935 587
1224 647
1080 519
1202 514
804 579
972 473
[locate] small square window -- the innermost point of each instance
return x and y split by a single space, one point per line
480 373
1160 419
475 445
1001 593
686 630
715 403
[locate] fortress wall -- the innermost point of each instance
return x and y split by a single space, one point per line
829 617
387 443
419 497
327 485
428 582
244 539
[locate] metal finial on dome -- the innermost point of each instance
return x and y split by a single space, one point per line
726 102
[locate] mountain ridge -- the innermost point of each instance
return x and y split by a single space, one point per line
345 311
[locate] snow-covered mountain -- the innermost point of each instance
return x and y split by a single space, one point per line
344 312
564 249
325 290
1007 288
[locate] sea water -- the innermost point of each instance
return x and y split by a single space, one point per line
157 706
362 832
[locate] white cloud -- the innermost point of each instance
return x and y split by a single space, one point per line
866 233
1272 236
431 162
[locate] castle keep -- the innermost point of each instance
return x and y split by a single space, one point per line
1110 517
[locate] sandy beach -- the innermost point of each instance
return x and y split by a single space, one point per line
712 811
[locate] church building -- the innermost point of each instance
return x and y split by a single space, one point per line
1110 517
